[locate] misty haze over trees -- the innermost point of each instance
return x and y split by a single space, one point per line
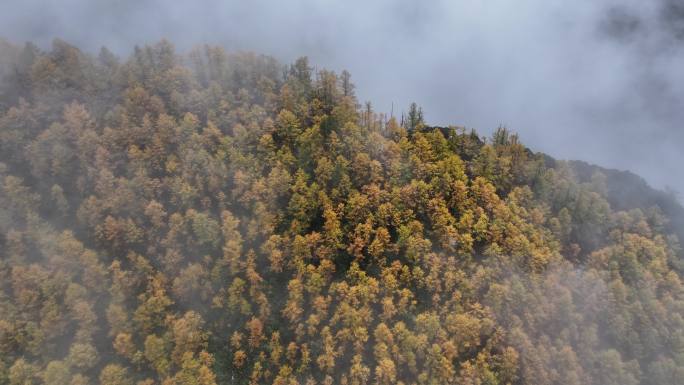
221 218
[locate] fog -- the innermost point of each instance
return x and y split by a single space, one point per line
597 80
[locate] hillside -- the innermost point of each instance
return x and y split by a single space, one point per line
215 218
627 191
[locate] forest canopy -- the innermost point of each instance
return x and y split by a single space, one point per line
221 218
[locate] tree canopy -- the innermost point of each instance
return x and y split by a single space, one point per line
218 218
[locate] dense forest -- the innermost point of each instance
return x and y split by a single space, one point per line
220 218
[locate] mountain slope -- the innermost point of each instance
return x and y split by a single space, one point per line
220 218
627 191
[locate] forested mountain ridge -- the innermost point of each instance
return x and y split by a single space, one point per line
215 218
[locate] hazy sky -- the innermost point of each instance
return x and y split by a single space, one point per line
597 80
